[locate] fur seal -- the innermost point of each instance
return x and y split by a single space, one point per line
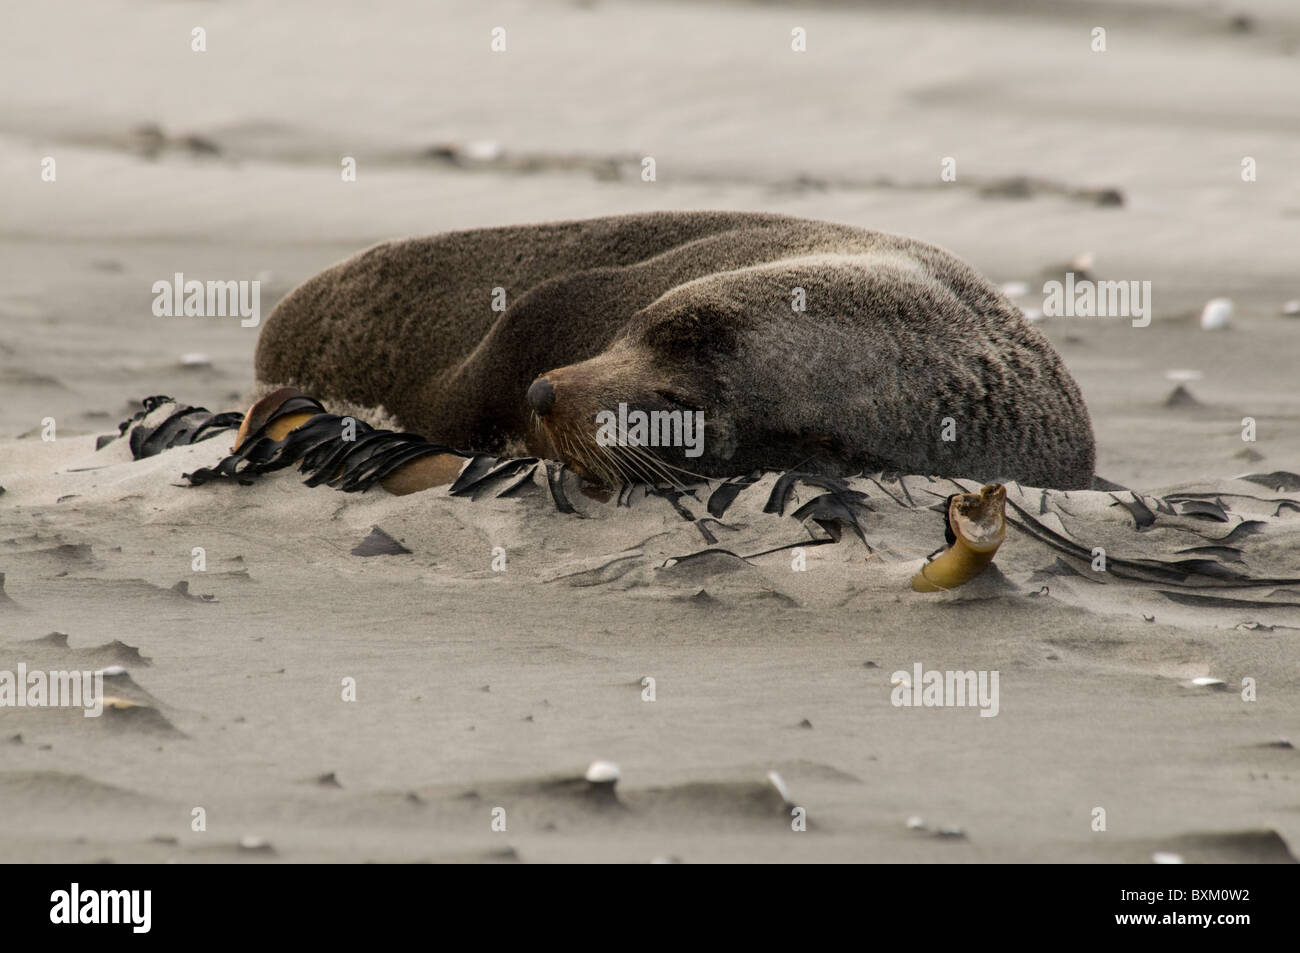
902 358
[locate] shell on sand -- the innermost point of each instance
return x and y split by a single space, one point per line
778 782
602 772
1217 314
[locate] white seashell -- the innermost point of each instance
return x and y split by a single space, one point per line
1015 289
1182 375
602 772
778 782
1164 857
915 823
1292 308
1216 315
483 150
196 359
253 842
109 671
1206 682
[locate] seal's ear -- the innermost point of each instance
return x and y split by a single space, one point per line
692 328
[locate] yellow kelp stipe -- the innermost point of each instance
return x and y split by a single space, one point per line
978 521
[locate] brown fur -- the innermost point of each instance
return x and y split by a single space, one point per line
693 310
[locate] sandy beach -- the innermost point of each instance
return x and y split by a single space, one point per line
1164 691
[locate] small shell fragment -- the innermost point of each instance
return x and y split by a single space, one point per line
483 150
1217 314
602 772
778 782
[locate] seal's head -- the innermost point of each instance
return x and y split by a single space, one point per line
649 408
716 377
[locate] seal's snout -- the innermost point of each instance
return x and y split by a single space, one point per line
541 396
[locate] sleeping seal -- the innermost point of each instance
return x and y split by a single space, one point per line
796 344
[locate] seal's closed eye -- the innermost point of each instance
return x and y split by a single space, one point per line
676 400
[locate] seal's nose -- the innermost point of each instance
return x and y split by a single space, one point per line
541 396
